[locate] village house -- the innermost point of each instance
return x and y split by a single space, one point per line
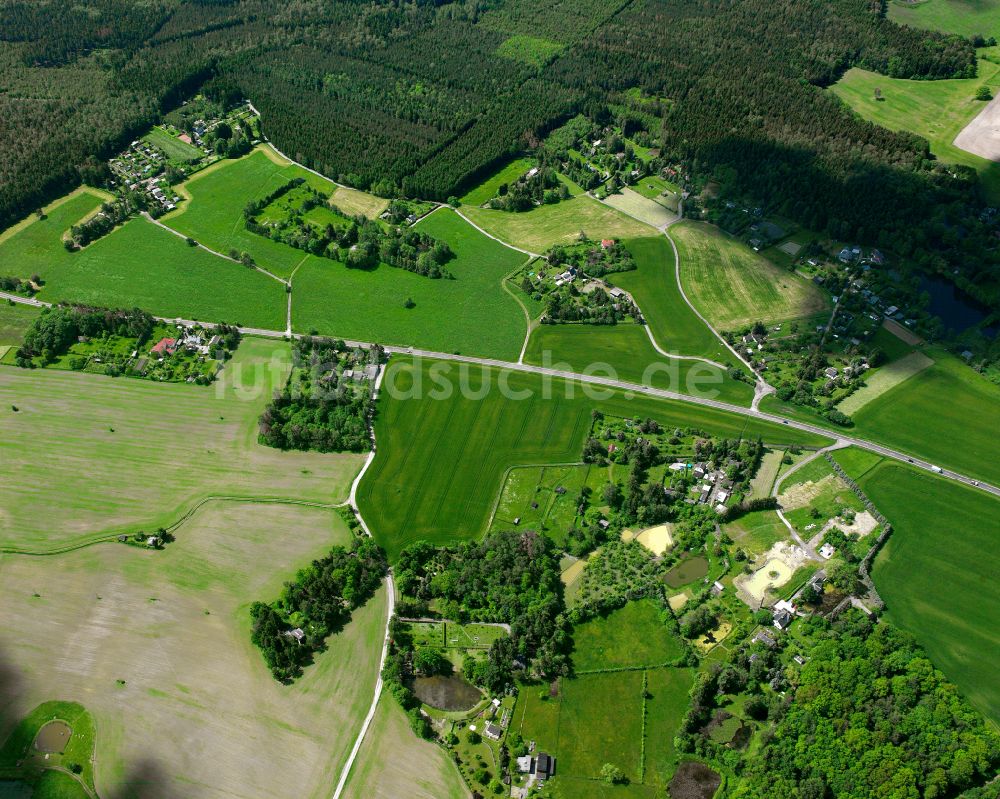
165 346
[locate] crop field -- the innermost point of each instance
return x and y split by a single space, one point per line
653 285
157 643
213 213
103 455
538 229
487 190
393 762
471 314
734 286
936 110
442 456
856 461
643 208
945 413
965 17
529 486
173 148
354 202
937 574
625 351
770 465
884 379
15 319
632 636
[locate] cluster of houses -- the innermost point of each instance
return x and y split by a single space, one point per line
537 768
713 486
187 338
139 168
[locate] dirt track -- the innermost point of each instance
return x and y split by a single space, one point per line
982 135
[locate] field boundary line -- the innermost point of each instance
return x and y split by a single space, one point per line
527 315
145 215
105 537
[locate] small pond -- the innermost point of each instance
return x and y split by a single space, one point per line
694 781
687 571
446 693
53 737
957 310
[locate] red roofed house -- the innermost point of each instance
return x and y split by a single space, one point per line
165 346
605 243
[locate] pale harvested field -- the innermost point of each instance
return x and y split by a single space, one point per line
801 494
763 481
198 715
677 601
902 332
353 202
884 379
172 445
642 208
394 763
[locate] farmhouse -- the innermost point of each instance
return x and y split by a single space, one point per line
765 637
298 634
830 372
493 732
827 551
606 243
165 346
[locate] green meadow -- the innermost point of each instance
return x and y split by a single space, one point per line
603 717
530 50
934 109
538 229
653 285
964 17
107 455
487 190
140 264
626 349
216 196
732 286
173 148
937 573
471 314
442 456
15 319
632 636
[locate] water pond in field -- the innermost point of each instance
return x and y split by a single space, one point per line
688 570
446 693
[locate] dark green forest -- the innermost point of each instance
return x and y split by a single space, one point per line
414 96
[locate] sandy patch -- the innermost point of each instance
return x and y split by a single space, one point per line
982 135
677 601
779 564
791 247
802 494
657 539
707 642
628 535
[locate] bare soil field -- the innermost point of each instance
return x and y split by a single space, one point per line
982 135
156 644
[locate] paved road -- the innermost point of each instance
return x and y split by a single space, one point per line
618 385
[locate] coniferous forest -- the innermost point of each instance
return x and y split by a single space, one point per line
414 97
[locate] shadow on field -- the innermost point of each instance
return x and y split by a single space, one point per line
145 779
11 685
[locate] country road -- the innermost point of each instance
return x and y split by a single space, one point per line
618 385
